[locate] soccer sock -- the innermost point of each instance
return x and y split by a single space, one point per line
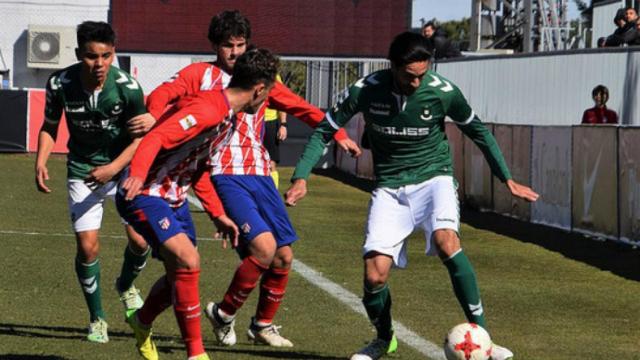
158 300
377 302
244 281
273 286
276 178
89 278
465 287
186 305
131 266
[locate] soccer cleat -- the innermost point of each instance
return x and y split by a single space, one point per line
376 349
224 332
202 356
146 346
500 353
268 335
131 299
98 332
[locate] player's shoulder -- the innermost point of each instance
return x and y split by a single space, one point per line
375 79
434 82
199 68
123 80
63 77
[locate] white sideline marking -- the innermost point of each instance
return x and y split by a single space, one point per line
404 334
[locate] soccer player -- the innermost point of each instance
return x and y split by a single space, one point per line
174 155
404 110
98 100
243 165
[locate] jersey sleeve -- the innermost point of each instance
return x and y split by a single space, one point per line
281 98
206 193
334 119
133 94
54 100
184 82
458 109
201 113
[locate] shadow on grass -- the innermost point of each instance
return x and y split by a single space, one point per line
620 259
65 332
253 350
30 357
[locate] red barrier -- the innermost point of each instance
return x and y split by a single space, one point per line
35 120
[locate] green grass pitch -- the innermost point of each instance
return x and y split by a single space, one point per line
547 295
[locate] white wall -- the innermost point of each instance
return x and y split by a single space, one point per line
15 17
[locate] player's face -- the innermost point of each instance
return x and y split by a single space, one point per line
229 51
408 77
96 58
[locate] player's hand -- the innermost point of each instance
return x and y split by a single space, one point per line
227 230
522 191
296 192
42 174
282 133
350 147
100 175
133 186
141 124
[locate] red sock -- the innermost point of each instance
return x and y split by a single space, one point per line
244 281
186 306
272 289
157 301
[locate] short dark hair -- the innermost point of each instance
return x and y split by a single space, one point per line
97 31
600 89
408 47
432 24
620 14
253 67
227 24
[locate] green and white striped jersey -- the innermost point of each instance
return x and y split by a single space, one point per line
96 121
406 133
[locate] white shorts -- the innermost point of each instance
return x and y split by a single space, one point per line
86 205
395 213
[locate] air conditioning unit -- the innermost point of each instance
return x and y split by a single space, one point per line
51 47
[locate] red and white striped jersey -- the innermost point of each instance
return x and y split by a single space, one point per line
242 152
176 153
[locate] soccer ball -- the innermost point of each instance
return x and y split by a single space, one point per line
468 341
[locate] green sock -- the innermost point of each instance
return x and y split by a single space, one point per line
377 302
465 287
89 278
131 266
276 178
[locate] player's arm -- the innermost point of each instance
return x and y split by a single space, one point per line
335 118
281 98
460 112
178 128
206 193
184 82
48 132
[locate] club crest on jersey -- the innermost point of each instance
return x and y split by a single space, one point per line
426 115
188 122
164 223
117 109
246 228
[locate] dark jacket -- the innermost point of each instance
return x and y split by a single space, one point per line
441 47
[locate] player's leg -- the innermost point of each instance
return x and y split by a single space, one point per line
389 222
85 207
270 143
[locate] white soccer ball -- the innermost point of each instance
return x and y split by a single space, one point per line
468 341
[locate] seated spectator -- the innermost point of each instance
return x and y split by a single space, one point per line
599 114
437 42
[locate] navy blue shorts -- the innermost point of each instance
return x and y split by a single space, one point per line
155 220
254 204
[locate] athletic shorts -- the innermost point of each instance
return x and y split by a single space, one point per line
86 205
270 140
155 220
395 213
254 204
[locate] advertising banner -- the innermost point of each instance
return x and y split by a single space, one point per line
629 186
595 183
36 118
551 175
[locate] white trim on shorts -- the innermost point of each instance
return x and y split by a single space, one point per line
86 205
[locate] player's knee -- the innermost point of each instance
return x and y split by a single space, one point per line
263 248
189 260
446 241
283 258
